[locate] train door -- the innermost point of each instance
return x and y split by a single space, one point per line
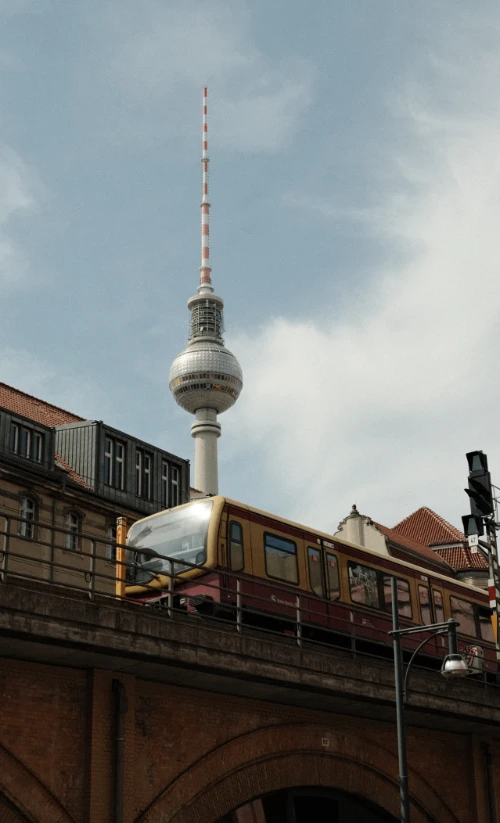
438 614
338 616
315 610
236 553
426 611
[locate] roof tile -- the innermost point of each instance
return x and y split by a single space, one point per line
429 528
415 547
31 407
461 558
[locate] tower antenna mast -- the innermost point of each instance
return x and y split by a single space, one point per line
205 378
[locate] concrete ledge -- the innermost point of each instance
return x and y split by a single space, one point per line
52 625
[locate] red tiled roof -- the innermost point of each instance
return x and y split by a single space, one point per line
31 407
424 552
429 528
72 473
461 558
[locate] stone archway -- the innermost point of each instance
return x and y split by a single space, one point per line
301 805
282 757
23 798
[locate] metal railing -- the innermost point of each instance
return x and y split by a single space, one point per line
226 600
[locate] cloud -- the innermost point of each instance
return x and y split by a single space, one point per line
17 198
379 407
156 51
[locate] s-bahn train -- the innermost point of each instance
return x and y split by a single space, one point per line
271 567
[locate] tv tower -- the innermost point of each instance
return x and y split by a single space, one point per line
205 378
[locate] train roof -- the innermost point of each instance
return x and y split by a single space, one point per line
326 536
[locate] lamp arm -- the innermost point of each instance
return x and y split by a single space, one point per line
424 641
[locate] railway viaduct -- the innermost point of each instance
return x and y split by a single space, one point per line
112 713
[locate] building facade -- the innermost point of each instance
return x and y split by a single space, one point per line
64 481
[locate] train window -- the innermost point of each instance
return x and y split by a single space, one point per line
236 559
281 558
438 606
485 624
425 604
404 597
463 611
332 576
315 575
364 585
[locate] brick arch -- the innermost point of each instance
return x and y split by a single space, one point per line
23 798
281 757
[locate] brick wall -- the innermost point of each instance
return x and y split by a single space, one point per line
192 755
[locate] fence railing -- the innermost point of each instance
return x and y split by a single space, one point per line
226 600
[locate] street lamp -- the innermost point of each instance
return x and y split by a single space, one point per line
454 665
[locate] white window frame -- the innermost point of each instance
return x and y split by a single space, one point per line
111 547
174 486
27 510
164 484
114 457
72 521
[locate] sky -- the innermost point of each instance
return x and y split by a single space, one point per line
355 234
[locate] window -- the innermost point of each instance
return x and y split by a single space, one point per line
174 487
72 521
236 557
164 484
281 558
438 606
425 604
27 512
26 442
332 576
463 611
371 587
143 461
403 594
315 573
114 463
364 585
111 547
485 625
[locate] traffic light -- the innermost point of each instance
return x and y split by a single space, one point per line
479 491
472 525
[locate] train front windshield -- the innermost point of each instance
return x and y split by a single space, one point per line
180 534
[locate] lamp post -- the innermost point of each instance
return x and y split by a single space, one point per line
454 665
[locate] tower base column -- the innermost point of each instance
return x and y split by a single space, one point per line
205 430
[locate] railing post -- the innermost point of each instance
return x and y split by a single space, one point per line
238 606
298 618
92 570
170 596
5 552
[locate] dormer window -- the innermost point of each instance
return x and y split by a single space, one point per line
114 463
26 442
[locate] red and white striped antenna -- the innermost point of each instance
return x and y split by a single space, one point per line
205 270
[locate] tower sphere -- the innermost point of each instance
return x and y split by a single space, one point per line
206 375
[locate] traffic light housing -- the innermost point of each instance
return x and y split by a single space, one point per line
479 491
472 525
